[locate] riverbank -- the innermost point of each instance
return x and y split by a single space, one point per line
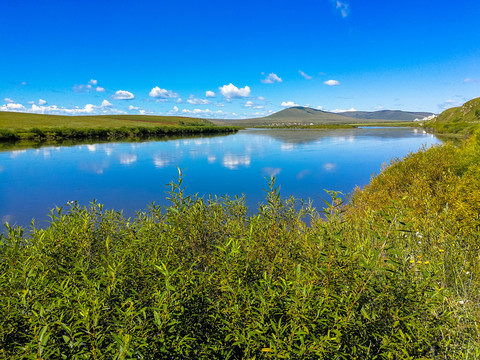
40 128
114 133
392 274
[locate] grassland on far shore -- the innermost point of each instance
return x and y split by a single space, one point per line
16 127
16 120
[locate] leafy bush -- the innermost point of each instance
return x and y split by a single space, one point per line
202 280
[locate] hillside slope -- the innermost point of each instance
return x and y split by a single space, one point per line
463 119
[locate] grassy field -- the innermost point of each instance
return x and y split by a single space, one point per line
15 120
16 127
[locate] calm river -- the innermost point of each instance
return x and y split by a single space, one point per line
129 176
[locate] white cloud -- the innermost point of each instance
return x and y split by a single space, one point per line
343 110
251 104
308 77
319 107
175 108
123 95
288 104
93 82
469 80
82 88
261 98
131 107
209 93
41 102
99 89
343 8
200 111
104 108
158 93
332 82
12 107
271 78
230 91
7 100
194 101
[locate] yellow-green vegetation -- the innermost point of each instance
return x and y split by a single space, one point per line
391 275
40 128
462 120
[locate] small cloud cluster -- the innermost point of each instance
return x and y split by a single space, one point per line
332 82
469 80
209 94
271 78
104 108
90 86
230 91
252 105
12 106
343 8
288 104
305 76
123 95
343 110
194 101
164 94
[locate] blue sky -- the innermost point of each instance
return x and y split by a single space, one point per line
227 59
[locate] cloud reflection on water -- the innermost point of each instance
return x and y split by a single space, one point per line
232 162
127 159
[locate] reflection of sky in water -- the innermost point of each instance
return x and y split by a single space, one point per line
131 175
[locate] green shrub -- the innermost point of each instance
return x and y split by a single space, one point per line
201 279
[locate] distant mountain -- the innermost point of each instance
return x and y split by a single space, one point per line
306 115
397 115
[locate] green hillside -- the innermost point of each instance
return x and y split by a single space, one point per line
16 120
463 119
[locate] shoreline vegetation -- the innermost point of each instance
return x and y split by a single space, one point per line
16 127
392 274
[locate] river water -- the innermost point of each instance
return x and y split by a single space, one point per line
128 176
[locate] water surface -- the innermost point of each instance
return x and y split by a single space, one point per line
129 176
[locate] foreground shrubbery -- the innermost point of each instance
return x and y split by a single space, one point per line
202 280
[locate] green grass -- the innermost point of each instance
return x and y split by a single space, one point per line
40 128
16 120
463 120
